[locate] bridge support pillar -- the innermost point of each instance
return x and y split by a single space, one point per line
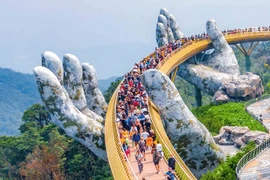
248 62
198 96
173 74
247 53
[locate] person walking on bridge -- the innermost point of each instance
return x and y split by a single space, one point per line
170 174
139 158
159 148
156 159
171 162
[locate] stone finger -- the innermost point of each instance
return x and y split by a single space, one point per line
175 28
73 85
95 99
192 139
51 61
161 35
223 58
65 115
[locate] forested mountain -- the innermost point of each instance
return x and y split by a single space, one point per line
18 92
43 151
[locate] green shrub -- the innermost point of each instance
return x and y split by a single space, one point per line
226 170
229 114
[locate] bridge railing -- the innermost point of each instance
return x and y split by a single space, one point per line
117 163
181 170
250 156
120 166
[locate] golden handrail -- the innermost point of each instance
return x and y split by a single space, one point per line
113 145
182 171
180 55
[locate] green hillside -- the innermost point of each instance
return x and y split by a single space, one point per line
18 92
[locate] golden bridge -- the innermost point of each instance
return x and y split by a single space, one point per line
120 166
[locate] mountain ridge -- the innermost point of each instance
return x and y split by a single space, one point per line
18 91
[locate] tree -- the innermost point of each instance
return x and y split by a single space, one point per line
36 116
46 162
109 92
43 151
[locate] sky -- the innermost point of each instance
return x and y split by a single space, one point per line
109 34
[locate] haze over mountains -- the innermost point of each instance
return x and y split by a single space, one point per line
18 92
109 60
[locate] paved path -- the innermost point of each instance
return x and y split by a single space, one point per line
258 168
261 108
149 171
229 150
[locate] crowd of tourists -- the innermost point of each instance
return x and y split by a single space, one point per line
133 120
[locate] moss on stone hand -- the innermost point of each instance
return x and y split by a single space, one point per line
179 124
214 146
78 94
71 123
191 164
170 119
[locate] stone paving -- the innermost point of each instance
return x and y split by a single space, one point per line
261 108
149 171
259 168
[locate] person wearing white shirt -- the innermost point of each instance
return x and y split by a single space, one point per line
159 148
145 135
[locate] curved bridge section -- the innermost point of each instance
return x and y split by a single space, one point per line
120 168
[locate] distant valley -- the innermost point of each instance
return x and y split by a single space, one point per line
18 92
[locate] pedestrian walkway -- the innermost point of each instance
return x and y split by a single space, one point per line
261 108
259 168
149 171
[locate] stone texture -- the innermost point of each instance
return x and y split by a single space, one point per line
223 87
73 81
62 93
167 29
51 61
223 58
161 35
191 139
73 85
95 100
218 75
239 136
65 115
256 136
175 28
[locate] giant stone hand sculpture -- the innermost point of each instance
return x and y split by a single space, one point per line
167 29
218 74
63 90
191 139
223 58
